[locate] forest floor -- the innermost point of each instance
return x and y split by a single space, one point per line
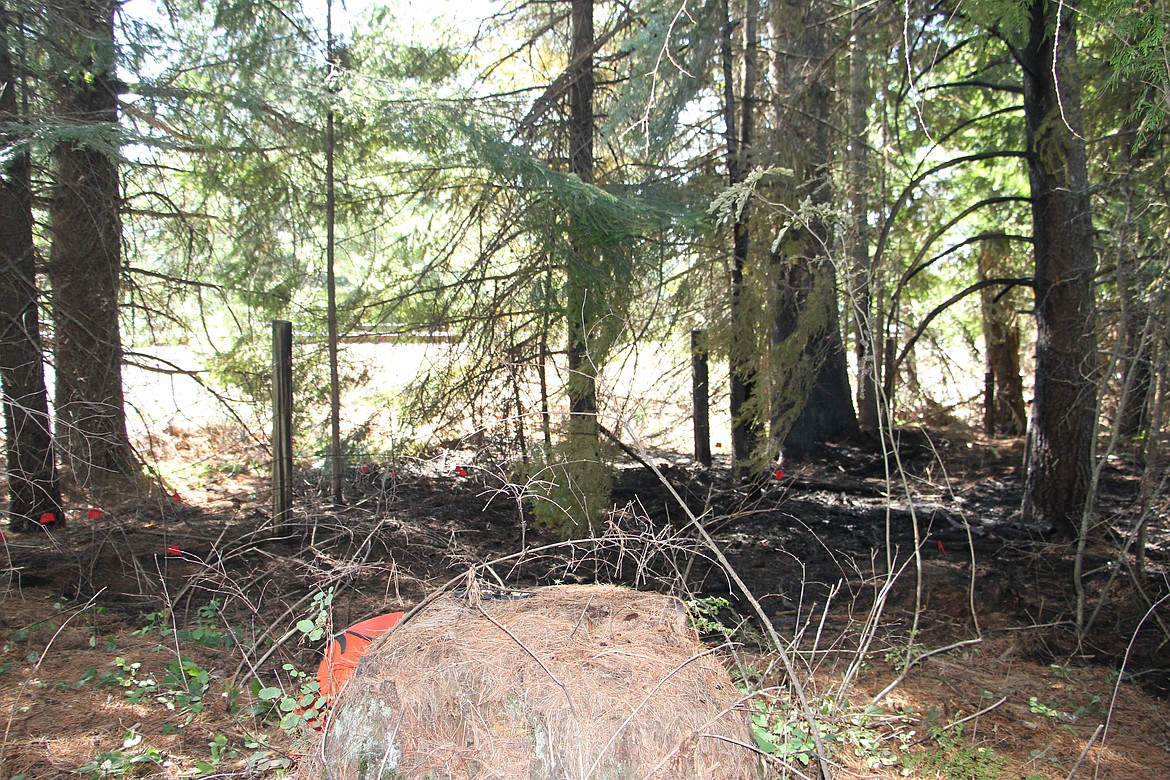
934 634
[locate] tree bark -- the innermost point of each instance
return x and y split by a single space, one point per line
34 491
1138 317
743 356
583 391
586 479
811 400
85 258
865 351
1060 447
1004 411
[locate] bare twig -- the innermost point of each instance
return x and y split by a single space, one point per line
974 715
1085 751
1125 662
777 643
915 661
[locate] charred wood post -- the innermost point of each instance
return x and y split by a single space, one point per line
700 391
282 406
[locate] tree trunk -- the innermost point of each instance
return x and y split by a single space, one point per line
811 401
700 395
865 352
1138 320
85 258
1133 416
1060 452
743 356
34 492
1004 411
582 383
585 480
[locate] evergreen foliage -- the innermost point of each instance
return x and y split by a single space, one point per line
459 215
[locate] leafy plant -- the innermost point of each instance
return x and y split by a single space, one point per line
183 688
714 616
301 702
780 736
299 706
219 751
955 758
900 656
314 627
206 631
704 614
1038 707
121 762
1091 710
780 730
127 676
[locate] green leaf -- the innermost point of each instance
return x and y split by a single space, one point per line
268 694
765 741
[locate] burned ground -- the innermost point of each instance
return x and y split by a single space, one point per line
862 562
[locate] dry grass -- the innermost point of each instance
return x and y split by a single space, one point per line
568 681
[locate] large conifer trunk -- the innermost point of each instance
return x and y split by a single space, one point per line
811 401
85 259
31 467
743 346
1060 454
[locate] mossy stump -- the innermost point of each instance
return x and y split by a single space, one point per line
580 682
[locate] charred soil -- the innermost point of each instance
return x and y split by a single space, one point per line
934 634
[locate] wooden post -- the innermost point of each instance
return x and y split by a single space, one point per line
282 406
989 401
701 394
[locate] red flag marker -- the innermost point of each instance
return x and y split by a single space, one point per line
941 548
779 473
47 518
94 514
177 498
174 552
718 445
461 471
